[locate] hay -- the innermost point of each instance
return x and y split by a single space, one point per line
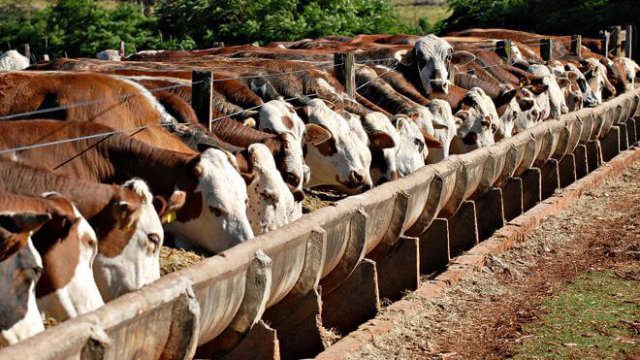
315 199
176 259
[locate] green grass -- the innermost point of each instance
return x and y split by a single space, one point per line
591 319
412 13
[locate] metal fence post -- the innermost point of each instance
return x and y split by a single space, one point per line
628 41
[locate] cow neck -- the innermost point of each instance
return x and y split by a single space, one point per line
160 168
90 198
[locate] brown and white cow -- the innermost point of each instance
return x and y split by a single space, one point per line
214 214
20 267
124 219
68 246
477 122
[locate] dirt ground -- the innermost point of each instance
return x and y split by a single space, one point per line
503 310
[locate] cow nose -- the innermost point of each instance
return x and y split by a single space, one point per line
298 195
535 114
438 84
356 178
471 138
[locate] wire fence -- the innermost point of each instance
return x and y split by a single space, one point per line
317 66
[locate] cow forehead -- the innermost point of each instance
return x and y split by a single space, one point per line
433 46
221 183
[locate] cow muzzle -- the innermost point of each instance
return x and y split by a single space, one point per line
440 85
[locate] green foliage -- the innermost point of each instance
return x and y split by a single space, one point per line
82 28
542 16
246 21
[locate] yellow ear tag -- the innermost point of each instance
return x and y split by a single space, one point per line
171 217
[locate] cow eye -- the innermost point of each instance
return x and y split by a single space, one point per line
216 211
419 143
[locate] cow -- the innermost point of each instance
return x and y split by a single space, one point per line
555 104
477 122
597 82
126 223
68 246
630 69
109 55
342 161
214 213
13 61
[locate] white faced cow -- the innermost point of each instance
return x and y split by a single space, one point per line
271 204
13 61
556 101
343 160
477 122
433 56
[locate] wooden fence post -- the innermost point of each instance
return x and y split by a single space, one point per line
122 49
604 43
27 52
218 44
201 100
628 41
576 45
345 69
546 49
506 45
615 40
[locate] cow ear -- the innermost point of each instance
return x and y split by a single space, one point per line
249 178
316 134
26 221
430 140
572 75
538 89
461 116
125 210
160 205
405 57
380 140
249 122
505 97
198 170
564 82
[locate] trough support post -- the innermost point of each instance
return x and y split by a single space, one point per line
567 170
604 43
611 144
624 137
512 199
27 51
628 41
345 69
615 40
463 229
202 98
594 155
531 185
299 325
632 136
636 121
298 317
434 247
576 45
549 179
490 213
546 49
399 271
580 155
354 302
261 343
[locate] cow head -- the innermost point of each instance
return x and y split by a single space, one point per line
376 130
68 246
343 160
281 118
20 269
271 204
571 90
214 216
12 61
433 55
629 68
128 255
556 100
444 130
597 82
530 112
412 149
509 114
477 122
